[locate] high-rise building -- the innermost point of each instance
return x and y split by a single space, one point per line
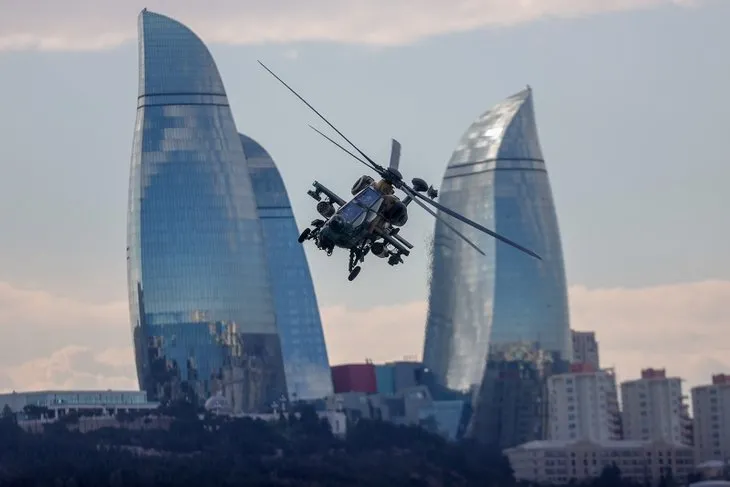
653 408
499 324
585 348
200 296
711 407
583 405
297 315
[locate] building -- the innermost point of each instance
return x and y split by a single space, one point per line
498 324
354 378
557 462
688 424
385 379
409 406
201 303
583 405
711 407
392 377
298 321
52 404
653 408
585 348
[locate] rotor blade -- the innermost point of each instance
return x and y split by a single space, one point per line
378 167
340 146
435 215
474 224
394 154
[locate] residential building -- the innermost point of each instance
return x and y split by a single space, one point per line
498 324
711 407
583 405
585 348
653 408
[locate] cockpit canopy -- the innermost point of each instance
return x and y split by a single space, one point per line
354 211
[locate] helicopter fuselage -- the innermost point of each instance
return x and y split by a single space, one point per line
352 221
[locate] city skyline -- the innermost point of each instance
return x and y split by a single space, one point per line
655 297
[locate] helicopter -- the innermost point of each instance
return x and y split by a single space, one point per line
371 220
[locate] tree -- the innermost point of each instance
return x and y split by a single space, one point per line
8 413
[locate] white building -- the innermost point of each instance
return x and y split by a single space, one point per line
711 406
557 462
583 405
653 408
585 348
55 403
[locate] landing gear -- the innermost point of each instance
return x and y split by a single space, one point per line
304 235
357 255
353 273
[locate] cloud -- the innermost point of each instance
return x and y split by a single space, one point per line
58 342
98 24
381 333
51 342
679 327
74 367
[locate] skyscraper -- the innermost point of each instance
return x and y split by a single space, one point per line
306 364
497 325
201 302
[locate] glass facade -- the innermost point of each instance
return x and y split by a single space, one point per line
201 304
306 364
505 315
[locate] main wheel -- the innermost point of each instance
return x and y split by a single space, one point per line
305 235
354 273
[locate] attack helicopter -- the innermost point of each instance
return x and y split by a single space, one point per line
371 220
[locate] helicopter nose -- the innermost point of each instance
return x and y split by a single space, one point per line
337 222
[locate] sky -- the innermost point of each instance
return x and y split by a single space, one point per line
632 110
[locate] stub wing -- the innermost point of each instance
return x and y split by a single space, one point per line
320 188
396 241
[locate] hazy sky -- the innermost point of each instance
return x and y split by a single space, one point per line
632 107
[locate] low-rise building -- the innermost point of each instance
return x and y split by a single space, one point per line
52 404
559 462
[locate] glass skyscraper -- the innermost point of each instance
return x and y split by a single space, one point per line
201 302
498 325
306 364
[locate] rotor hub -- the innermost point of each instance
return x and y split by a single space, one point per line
393 176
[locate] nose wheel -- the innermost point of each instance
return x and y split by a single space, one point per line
305 235
356 256
353 273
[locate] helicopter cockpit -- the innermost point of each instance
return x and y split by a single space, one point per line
354 212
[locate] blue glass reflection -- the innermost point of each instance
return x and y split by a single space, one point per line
497 324
297 314
200 299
